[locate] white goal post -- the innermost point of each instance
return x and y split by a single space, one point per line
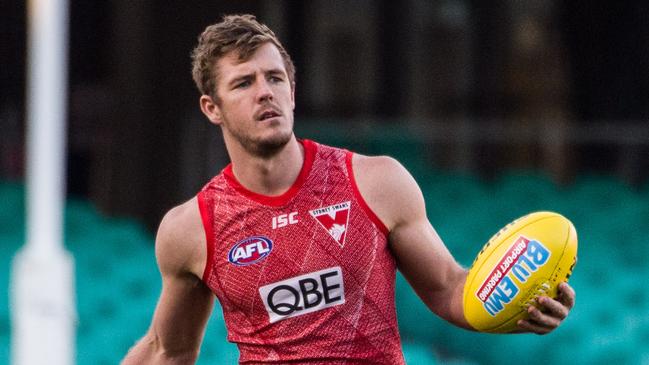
43 315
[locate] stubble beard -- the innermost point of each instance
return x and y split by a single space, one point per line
261 147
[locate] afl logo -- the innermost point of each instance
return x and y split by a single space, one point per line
250 250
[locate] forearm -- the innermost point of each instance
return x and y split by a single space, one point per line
457 302
449 303
149 351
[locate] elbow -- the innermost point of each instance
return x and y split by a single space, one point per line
175 353
447 301
185 357
152 350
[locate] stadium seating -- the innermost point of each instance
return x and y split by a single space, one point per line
118 282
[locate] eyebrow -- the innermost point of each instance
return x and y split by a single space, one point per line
275 71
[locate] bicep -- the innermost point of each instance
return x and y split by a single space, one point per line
420 254
185 302
181 314
429 267
425 261
396 198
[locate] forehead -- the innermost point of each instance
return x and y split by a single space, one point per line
264 58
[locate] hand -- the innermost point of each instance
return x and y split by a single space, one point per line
551 312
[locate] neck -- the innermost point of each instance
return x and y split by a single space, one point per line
267 175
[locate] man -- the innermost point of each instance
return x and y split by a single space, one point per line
299 241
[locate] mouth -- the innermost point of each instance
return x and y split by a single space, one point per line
268 114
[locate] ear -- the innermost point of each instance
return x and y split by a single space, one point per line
211 110
293 95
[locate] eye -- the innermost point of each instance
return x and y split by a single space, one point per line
275 79
242 84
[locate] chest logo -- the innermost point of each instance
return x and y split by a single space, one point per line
303 294
250 250
334 219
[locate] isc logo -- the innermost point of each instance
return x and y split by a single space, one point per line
303 294
284 220
250 250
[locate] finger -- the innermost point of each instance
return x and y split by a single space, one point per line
567 295
554 307
539 318
528 326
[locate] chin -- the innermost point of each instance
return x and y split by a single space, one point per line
270 145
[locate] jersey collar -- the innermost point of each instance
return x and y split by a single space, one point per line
310 149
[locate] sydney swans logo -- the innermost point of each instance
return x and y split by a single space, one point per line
334 219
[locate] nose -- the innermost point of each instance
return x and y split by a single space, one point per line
264 91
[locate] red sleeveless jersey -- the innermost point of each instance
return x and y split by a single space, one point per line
305 277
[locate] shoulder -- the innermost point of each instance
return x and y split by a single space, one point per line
180 240
388 188
373 164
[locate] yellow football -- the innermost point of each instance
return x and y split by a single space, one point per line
528 258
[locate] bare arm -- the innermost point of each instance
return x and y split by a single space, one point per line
179 320
421 255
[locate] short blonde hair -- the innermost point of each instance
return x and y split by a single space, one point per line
240 33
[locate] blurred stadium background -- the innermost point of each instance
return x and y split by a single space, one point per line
497 108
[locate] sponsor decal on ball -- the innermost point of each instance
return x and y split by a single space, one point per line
523 258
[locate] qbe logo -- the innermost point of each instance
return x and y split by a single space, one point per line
303 294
